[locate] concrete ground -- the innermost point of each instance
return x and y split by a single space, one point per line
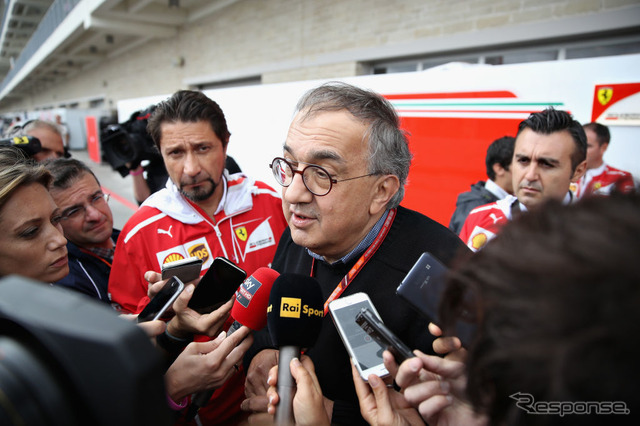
122 202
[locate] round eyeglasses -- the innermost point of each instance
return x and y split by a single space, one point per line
316 179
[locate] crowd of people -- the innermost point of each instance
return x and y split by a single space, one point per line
543 264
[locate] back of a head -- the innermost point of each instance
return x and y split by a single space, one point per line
388 146
559 296
500 151
188 106
17 170
551 121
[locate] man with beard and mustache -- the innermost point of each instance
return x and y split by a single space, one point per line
549 154
203 211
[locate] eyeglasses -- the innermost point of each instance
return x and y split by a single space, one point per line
316 179
75 212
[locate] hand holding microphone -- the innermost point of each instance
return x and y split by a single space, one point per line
294 316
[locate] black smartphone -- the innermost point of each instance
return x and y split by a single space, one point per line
162 300
186 269
217 285
375 328
423 287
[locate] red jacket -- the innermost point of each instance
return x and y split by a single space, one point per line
603 180
483 222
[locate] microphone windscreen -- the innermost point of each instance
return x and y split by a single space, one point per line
296 310
252 299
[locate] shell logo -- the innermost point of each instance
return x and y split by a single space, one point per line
199 250
172 258
478 241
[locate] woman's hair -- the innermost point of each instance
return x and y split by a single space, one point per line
558 309
16 170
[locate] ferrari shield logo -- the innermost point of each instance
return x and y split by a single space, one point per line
241 233
604 95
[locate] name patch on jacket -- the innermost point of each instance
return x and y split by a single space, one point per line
199 248
252 236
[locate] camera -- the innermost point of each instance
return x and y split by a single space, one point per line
126 145
68 360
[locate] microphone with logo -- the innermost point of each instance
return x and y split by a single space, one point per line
294 317
249 309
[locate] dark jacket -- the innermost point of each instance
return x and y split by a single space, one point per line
467 201
88 273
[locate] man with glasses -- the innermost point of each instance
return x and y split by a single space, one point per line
87 223
343 171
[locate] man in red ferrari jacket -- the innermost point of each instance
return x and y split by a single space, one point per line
203 211
600 178
548 156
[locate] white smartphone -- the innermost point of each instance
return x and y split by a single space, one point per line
365 351
186 269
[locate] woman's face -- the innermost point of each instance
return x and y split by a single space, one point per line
31 239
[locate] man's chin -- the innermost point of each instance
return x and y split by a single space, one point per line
199 194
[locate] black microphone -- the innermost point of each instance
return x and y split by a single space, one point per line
29 144
294 317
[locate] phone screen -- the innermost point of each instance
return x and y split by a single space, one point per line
217 285
162 300
366 350
185 269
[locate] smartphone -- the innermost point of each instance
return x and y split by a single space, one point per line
423 287
217 285
162 300
375 328
186 269
365 351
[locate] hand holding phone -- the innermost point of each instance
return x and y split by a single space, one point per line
365 351
375 328
162 301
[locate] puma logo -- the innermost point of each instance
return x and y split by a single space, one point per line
492 216
168 231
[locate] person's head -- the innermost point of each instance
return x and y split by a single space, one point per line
549 154
498 162
49 136
31 239
598 138
191 133
354 135
558 299
87 220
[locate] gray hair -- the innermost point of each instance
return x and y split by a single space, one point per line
388 146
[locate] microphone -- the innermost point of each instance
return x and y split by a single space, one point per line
249 309
29 144
252 299
294 316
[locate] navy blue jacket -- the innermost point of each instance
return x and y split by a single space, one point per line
88 273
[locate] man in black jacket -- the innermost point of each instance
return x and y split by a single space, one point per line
87 223
498 163
343 170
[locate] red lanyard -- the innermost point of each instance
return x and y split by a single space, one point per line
366 256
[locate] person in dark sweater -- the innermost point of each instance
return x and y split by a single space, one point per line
498 186
87 223
344 220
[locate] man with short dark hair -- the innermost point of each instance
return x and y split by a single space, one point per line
498 186
87 223
549 154
600 178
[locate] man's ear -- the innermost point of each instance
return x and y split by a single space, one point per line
385 188
579 172
498 169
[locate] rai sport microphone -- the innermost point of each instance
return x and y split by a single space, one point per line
249 309
30 145
294 317
252 298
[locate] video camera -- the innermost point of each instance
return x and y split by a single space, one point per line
29 144
67 360
129 143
